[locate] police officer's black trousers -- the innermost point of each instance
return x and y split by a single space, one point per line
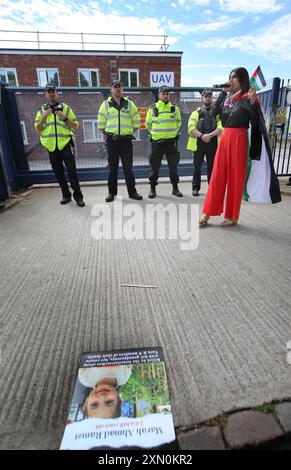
169 149
120 149
57 159
203 149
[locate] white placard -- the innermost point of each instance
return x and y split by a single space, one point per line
158 79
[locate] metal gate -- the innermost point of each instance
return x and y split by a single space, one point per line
277 105
27 162
31 160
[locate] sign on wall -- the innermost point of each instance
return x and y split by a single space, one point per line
162 78
142 114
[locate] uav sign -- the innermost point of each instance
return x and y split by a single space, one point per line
162 78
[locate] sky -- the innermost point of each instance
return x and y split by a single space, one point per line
214 35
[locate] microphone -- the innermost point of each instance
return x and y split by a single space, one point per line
222 85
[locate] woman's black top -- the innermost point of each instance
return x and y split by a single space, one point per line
233 112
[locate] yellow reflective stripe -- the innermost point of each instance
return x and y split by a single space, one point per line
54 135
165 130
53 124
166 112
68 110
163 121
122 126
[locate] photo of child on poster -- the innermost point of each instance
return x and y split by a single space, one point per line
121 398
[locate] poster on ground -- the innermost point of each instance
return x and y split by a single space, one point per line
121 401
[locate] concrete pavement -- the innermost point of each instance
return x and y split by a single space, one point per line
222 312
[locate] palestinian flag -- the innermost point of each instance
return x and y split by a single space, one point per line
257 80
262 184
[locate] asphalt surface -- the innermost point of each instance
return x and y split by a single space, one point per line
221 312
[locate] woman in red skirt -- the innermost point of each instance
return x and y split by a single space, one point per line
237 109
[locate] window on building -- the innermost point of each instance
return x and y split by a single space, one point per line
23 132
88 77
9 76
137 135
91 131
48 76
129 77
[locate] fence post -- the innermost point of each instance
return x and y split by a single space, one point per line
8 170
273 111
38 41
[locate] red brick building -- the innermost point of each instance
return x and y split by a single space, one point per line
88 69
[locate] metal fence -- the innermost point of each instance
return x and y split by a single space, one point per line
82 41
90 149
277 105
28 162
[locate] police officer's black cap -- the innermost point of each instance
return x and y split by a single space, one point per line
116 82
164 88
206 92
50 86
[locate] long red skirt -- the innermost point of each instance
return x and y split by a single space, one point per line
229 170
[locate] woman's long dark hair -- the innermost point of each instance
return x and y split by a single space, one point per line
243 78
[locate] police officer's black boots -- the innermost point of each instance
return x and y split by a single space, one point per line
109 198
152 193
176 191
65 200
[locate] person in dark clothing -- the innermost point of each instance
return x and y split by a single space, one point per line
238 106
204 130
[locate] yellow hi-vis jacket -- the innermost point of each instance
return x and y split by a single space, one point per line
56 133
118 121
192 124
163 120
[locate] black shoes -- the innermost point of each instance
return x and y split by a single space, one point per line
135 196
80 203
195 192
152 193
176 191
65 200
109 198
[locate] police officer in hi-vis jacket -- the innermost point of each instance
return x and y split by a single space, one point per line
55 123
204 131
163 122
118 119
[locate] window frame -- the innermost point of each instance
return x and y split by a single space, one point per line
95 138
89 70
24 133
128 71
137 135
10 69
46 69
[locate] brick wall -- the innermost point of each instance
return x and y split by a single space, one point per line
67 65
